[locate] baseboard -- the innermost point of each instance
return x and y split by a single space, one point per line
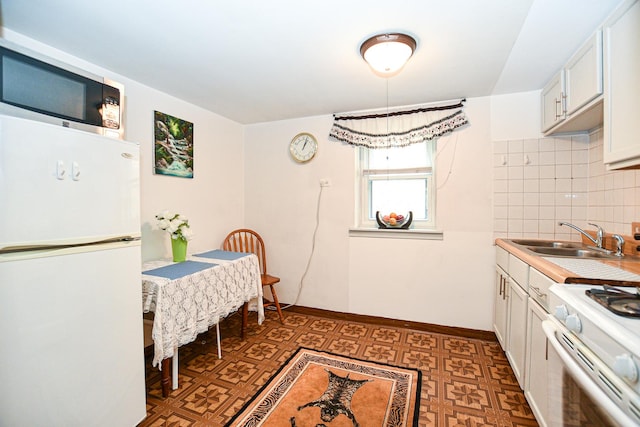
384 321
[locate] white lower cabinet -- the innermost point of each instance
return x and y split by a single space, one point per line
500 307
510 309
520 306
517 330
535 389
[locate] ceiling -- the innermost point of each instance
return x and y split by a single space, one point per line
264 60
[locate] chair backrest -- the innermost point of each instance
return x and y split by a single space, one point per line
246 240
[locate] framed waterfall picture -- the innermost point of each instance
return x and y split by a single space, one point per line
173 147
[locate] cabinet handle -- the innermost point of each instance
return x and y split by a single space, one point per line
546 349
537 291
501 284
563 106
557 103
504 294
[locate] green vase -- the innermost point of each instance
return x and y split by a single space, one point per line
179 249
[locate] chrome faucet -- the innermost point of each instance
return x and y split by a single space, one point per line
599 235
619 244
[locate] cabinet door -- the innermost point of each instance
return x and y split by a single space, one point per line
583 75
622 86
517 330
552 111
536 363
500 307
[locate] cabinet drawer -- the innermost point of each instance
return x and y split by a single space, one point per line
519 271
502 258
539 287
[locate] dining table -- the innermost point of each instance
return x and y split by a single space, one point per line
189 297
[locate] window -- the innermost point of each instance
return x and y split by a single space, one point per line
397 179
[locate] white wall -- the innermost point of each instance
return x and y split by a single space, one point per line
213 199
516 116
281 201
446 282
244 176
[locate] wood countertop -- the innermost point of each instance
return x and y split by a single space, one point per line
629 263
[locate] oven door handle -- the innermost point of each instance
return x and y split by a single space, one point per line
551 328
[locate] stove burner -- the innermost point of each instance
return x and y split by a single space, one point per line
617 301
626 306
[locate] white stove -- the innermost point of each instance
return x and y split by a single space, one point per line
605 346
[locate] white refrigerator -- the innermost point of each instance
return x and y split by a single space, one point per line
71 339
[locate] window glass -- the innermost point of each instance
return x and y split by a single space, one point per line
400 180
403 157
400 196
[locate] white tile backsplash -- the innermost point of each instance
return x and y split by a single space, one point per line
539 182
548 158
531 146
547 185
580 171
546 144
548 172
515 146
563 158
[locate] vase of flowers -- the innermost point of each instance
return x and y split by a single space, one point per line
178 227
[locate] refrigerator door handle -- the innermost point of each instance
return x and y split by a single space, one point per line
27 248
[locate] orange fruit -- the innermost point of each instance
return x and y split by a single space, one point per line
393 215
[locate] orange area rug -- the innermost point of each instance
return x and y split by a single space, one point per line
315 388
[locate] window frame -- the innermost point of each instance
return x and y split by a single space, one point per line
364 176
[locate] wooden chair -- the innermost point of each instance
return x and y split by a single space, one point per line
246 240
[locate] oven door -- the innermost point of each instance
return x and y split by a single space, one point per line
575 398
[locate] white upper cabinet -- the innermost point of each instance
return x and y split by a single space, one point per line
552 102
622 87
583 75
572 100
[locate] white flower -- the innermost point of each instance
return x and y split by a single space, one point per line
175 224
187 233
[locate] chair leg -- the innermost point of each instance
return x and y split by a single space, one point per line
245 320
218 340
277 303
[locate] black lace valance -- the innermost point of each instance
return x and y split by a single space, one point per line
398 128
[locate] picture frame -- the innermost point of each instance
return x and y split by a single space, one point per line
173 146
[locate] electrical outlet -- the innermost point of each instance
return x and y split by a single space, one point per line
324 182
635 230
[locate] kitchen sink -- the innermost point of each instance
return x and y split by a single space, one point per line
572 252
558 248
547 243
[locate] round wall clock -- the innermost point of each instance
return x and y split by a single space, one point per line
303 147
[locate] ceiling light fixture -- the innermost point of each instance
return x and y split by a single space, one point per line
386 54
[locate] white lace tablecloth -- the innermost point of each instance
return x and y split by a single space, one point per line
187 306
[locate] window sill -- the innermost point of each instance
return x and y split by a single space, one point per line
390 233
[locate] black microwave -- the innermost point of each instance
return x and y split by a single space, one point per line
36 88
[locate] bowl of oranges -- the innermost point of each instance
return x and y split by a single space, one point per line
394 220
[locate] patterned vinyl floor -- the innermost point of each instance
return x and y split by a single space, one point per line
466 382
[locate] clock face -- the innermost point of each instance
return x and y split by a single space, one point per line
303 147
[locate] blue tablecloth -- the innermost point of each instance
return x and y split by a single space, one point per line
180 269
220 254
